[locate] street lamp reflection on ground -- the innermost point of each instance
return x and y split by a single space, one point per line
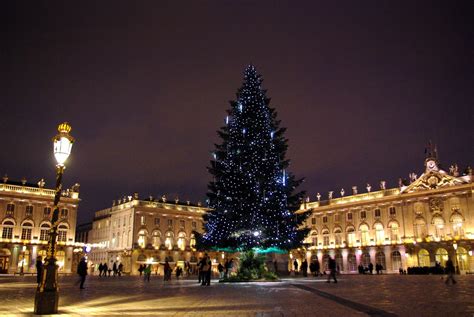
47 296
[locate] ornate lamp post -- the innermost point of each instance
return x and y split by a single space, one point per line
47 296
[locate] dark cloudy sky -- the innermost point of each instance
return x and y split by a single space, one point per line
361 86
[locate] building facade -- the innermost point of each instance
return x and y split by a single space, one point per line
25 219
419 224
136 232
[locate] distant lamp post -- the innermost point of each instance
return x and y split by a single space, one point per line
47 295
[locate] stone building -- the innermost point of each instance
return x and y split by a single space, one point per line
25 219
135 232
420 223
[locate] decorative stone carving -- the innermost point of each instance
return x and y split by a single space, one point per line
342 192
436 205
354 190
368 187
318 196
382 185
330 194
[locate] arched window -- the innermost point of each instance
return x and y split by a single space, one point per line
7 229
351 262
142 238
325 233
156 236
169 241
379 233
463 262
62 233
365 259
44 231
419 227
350 236
396 260
181 240
457 220
441 256
26 229
423 258
314 238
380 259
393 226
338 236
438 223
364 234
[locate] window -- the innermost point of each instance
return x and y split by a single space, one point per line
26 229
380 259
420 227
393 231
192 241
142 220
313 220
363 214
337 217
350 236
169 241
157 221
338 236
44 232
424 258
29 210
351 262
47 211
170 222
349 216
156 239
392 211
62 233
377 213
10 209
325 219
194 224
64 213
7 230
379 234
182 240
396 260
181 224
314 238
142 238
325 237
364 234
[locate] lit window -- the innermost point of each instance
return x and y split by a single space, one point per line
349 216
62 233
170 222
182 240
47 211
64 213
142 220
7 230
379 233
44 232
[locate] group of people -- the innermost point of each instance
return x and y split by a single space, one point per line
369 269
315 268
116 269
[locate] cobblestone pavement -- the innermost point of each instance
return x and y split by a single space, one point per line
354 295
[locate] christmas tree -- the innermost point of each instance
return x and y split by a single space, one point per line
252 192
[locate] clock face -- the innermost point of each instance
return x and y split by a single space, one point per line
431 165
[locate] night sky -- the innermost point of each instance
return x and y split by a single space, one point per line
362 86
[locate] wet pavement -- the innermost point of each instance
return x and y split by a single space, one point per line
354 295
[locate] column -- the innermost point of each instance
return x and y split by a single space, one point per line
16 249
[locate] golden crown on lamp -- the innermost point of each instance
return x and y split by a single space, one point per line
64 127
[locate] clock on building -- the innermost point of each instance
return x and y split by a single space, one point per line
431 166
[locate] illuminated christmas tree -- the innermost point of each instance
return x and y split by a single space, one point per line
252 193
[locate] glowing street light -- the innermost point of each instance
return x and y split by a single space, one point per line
47 295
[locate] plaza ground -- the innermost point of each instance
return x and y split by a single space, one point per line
354 295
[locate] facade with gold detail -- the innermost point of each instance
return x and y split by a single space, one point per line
25 222
136 232
418 224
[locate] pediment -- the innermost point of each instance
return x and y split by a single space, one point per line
432 180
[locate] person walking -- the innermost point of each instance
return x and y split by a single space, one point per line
332 270
200 270
167 269
371 268
39 269
120 269
147 272
114 268
295 266
82 272
220 268
450 271
101 269
208 271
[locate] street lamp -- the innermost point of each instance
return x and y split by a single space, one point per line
47 296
